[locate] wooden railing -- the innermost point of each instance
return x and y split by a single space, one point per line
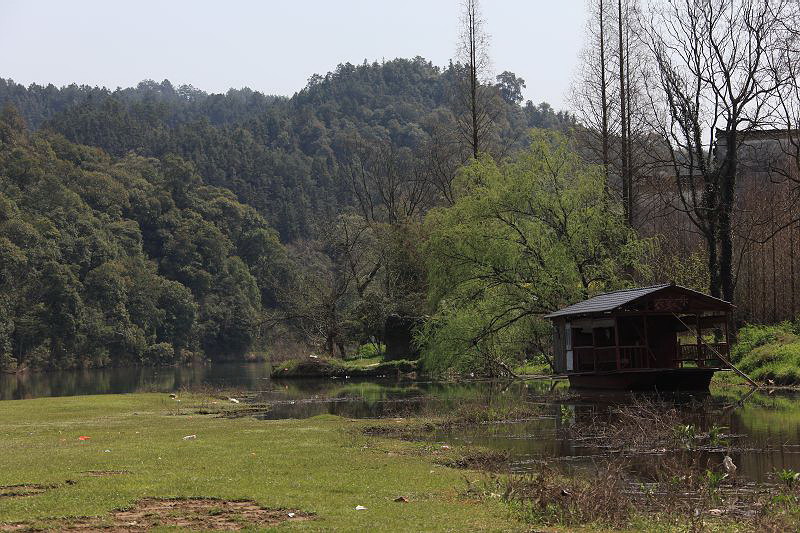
592 359
701 354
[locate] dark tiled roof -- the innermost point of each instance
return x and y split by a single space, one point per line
606 302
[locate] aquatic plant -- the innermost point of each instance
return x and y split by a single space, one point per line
716 437
567 414
714 479
685 434
788 476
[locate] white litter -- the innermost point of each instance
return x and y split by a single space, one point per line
234 400
730 467
190 437
360 508
290 515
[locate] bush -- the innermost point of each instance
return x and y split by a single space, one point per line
160 354
369 350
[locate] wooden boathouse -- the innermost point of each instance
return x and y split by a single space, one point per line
665 337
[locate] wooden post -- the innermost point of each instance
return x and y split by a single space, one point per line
699 339
646 341
594 348
727 338
722 357
616 339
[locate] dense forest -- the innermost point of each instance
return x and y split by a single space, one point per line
123 260
283 156
154 224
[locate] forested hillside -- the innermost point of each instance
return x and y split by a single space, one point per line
150 224
283 156
122 261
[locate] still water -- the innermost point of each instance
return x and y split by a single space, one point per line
763 430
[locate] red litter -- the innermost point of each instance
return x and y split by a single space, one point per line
84 437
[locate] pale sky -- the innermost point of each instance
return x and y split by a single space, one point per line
274 46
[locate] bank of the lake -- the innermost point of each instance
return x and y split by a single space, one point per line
137 449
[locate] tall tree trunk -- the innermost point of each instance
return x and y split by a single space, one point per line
713 264
603 93
629 150
774 279
473 79
623 116
727 189
791 271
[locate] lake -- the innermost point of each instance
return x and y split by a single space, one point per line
763 433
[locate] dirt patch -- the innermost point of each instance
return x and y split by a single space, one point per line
23 489
488 460
190 513
402 431
105 473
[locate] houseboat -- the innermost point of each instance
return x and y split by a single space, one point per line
664 337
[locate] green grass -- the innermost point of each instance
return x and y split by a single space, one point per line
533 368
324 465
769 353
320 465
363 362
369 351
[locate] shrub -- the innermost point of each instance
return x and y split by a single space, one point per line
160 354
369 350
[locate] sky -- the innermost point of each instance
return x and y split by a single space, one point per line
275 46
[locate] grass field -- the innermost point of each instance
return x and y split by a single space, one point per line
322 465
136 462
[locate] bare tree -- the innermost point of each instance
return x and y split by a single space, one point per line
330 278
477 110
624 117
714 61
390 184
611 108
393 188
591 97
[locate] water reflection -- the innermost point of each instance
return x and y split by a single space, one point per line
126 380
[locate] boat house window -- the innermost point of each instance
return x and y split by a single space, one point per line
604 337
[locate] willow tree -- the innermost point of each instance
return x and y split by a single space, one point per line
522 239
